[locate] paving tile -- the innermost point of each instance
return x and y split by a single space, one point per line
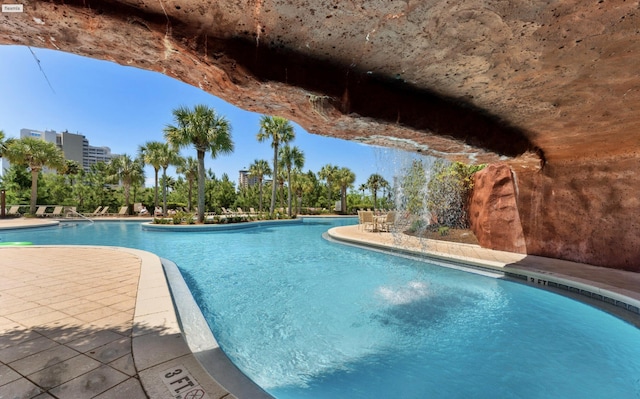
53 299
20 388
83 307
128 304
111 351
7 375
41 360
96 314
7 325
63 330
43 318
43 395
19 306
93 341
120 322
125 365
24 349
130 389
155 348
16 336
64 371
90 384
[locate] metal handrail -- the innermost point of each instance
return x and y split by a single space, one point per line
79 214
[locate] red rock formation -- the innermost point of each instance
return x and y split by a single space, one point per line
493 210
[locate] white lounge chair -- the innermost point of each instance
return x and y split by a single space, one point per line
57 212
40 211
14 210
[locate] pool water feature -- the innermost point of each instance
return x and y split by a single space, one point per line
308 318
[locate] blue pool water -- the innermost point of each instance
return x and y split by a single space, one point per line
307 318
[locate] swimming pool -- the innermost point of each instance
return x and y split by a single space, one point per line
307 318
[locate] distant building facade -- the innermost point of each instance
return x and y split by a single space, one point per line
75 147
245 179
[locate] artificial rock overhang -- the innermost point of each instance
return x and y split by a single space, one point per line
472 80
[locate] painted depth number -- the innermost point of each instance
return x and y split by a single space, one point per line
181 384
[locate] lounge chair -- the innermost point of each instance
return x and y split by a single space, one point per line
124 211
103 212
94 213
57 212
14 210
241 212
40 211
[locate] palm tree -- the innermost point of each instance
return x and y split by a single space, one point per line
167 156
279 130
206 131
345 178
189 168
291 157
71 168
327 174
35 154
127 171
301 184
362 188
4 143
150 153
375 182
259 169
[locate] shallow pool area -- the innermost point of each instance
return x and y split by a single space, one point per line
308 318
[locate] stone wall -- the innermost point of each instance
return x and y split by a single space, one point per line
581 211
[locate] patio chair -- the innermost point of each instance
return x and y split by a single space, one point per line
57 212
40 211
389 221
368 220
124 211
103 212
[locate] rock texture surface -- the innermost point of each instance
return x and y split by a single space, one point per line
534 83
493 210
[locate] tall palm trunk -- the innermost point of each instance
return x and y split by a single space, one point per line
190 202
155 202
201 177
260 194
164 191
34 190
274 184
289 191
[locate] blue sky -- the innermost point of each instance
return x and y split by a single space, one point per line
124 107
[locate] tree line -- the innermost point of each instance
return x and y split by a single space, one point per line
121 181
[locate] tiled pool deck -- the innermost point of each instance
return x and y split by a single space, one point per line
99 322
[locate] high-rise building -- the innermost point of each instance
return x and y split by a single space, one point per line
246 180
75 147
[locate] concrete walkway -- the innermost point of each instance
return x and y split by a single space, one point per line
99 322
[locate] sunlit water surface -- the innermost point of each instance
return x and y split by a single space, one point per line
307 318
